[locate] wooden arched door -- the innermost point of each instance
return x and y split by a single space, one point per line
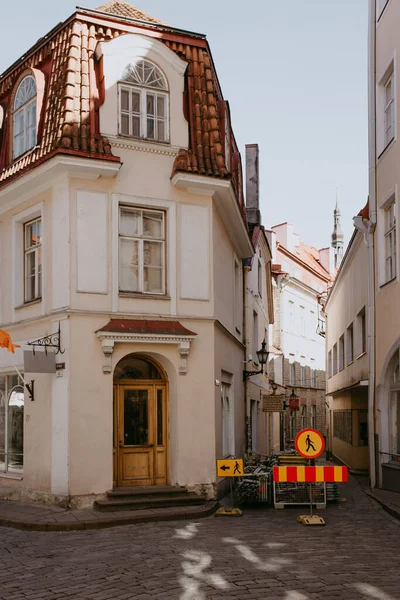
140 422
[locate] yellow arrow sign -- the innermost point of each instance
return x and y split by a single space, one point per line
230 467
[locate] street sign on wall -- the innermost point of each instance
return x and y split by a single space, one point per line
273 403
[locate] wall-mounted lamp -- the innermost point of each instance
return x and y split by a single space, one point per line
262 356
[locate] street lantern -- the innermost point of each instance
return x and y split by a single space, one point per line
294 401
262 356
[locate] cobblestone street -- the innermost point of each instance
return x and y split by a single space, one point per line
265 554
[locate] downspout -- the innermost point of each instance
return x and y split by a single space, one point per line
245 381
368 228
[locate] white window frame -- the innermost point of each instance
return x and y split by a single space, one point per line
140 238
329 364
350 344
256 345
23 110
334 360
35 249
386 109
341 353
237 295
18 259
361 332
143 92
390 237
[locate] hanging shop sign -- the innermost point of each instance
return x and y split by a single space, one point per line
273 403
294 403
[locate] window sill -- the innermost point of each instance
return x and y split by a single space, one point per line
141 140
143 296
350 363
15 476
386 148
387 283
25 304
361 355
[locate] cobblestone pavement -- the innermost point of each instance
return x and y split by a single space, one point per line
265 555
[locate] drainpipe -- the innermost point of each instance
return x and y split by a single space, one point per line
368 227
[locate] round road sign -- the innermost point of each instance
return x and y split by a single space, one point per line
309 443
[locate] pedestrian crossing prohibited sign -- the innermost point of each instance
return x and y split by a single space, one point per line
309 443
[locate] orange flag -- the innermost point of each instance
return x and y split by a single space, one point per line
6 342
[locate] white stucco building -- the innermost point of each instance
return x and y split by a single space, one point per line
297 362
122 225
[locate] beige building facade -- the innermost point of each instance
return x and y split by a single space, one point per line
122 237
346 311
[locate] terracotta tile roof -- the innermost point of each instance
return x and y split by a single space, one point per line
146 327
364 212
123 9
73 95
309 256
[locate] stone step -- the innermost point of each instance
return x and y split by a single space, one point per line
152 502
145 490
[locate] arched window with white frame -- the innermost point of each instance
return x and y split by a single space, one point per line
143 102
24 116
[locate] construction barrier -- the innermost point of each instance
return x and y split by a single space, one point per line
310 474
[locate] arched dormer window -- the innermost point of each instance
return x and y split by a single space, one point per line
143 102
24 116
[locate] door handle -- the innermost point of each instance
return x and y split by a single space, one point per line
150 445
121 445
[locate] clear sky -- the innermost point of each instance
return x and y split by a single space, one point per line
295 74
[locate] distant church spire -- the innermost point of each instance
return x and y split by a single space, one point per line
337 235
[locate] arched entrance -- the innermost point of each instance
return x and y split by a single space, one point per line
140 422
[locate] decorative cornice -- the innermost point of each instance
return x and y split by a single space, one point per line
109 339
151 149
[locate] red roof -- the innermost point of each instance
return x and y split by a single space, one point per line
146 327
70 108
309 256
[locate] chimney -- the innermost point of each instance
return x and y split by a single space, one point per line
326 258
252 185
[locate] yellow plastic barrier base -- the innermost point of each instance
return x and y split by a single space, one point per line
229 512
310 520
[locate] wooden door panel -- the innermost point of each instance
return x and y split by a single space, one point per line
140 435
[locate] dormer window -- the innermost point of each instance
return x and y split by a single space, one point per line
24 117
143 102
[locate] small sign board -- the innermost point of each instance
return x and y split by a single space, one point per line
309 443
39 362
273 403
231 467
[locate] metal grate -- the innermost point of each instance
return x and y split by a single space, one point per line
299 494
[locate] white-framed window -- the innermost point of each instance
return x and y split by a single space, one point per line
291 316
329 363
141 250
227 420
341 352
390 241
313 416
143 102
389 109
303 417
350 344
11 424
334 359
33 260
24 117
361 332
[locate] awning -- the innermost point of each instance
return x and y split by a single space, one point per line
362 383
146 327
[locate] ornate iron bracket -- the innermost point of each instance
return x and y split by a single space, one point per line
31 390
48 341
